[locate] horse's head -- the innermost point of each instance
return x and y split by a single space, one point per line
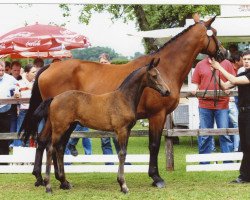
154 79
211 44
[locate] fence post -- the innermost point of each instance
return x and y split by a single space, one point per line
169 147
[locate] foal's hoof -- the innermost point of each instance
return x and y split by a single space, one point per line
49 190
39 182
125 190
66 186
159 184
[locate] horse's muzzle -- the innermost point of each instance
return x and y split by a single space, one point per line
166 93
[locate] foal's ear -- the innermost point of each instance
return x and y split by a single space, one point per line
209 22
150 65
157 62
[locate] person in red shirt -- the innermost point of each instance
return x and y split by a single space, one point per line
209 111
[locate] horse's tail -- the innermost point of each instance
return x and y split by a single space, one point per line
29 125
42 110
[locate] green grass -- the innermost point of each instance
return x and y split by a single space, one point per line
179 183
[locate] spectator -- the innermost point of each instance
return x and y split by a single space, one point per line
16 70
105 142
7 84
7 67
23 89
237 62
16 73
38 63
243 82
86 143
208 111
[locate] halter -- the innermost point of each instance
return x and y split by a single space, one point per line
218 56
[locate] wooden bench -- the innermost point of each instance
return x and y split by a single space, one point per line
22 160
216 162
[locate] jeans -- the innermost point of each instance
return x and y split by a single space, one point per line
207 118
20 118
233 123
107 147
86 142
5 127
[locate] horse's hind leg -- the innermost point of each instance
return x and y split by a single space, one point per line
38 164
42 142
122 140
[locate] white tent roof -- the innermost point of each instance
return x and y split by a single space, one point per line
229 29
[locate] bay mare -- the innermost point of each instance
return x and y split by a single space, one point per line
114 111
177 57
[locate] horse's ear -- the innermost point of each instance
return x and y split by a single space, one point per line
209 22
151 64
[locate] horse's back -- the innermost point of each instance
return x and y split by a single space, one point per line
81 75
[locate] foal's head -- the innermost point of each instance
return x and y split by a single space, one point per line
154 79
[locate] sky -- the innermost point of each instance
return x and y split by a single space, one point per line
101 31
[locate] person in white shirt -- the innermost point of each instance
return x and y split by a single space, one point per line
23 89
7 84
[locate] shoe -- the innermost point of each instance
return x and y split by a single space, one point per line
72 149
239 181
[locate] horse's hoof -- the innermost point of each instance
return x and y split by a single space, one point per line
49 190
39 182
159 184
66 186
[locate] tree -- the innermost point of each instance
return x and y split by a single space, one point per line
147 17
93 53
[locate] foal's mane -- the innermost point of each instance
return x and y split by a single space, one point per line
127 79
173 38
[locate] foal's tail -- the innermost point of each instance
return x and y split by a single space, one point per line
42 110
29 125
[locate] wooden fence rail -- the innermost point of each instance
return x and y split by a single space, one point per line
167 133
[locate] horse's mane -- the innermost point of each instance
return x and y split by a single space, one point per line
129 77
173 38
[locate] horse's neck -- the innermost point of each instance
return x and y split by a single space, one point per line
133 87
178 56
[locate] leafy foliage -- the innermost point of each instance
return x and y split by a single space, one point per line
147 17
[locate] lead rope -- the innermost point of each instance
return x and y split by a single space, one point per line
216 95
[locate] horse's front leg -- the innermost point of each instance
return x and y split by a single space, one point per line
122 140
156 125
48 169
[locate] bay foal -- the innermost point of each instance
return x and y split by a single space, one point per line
114 111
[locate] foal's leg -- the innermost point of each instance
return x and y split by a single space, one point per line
122 140
42 142
48 169
156 125
58 156
65 185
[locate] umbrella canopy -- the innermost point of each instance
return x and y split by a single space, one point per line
41 38
50 54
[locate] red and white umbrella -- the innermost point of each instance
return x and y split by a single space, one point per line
50 54
41 38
